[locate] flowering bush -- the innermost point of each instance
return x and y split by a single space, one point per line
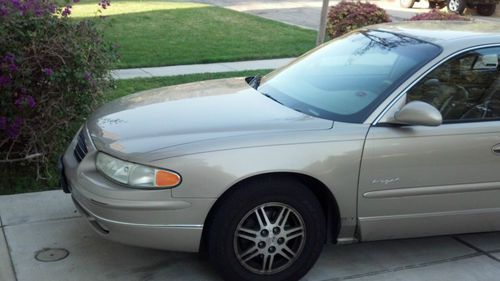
438 15
347 16
52 70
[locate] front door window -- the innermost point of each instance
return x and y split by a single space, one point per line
465 88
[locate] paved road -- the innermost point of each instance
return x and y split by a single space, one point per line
31 222
306 13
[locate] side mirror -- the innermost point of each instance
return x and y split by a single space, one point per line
418 113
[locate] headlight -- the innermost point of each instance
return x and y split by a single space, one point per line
135 175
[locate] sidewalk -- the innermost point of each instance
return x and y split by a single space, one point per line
35 221
198 68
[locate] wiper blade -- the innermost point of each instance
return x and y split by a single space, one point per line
312 112
254 81
271 97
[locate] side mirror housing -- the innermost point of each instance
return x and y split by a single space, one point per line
418 113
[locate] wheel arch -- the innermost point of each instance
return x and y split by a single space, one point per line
321 191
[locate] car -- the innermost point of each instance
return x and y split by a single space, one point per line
483 7
391 131
433 4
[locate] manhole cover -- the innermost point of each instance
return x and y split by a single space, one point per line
51 254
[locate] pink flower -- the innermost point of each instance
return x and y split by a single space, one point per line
4 80
48 71
67 11
25 100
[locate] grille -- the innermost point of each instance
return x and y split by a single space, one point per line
80 148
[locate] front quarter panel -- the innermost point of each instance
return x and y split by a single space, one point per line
334 162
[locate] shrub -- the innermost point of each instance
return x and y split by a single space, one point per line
52 70
438 15
348 16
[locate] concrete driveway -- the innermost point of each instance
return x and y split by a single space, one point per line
48 220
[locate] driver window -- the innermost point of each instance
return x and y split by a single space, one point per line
465 88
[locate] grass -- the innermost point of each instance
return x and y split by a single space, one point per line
158 33
12 179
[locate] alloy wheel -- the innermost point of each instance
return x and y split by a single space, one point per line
453 5
269 238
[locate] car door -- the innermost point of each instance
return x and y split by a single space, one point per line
421 181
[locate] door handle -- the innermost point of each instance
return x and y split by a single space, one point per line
496 149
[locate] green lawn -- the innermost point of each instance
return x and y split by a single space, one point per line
158 33
12 179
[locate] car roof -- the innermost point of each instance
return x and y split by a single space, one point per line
446 33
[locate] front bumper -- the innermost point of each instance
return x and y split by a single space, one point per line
146 218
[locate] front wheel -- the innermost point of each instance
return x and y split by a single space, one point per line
267 230
457 6
486 9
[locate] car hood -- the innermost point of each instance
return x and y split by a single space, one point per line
191 113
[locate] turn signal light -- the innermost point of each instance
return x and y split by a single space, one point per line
166 179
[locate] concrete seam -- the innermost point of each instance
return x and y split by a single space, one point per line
46 220
479 250
406 267
9 253
230 67
145 71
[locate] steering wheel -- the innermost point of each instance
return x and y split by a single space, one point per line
481 111
455 103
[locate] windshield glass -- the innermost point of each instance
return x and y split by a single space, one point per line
347 78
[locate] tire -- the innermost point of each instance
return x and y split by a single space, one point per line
457 6
239 244
486 9
406 3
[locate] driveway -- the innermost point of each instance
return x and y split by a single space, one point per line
306 13
48 220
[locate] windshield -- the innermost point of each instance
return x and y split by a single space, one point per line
347 78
